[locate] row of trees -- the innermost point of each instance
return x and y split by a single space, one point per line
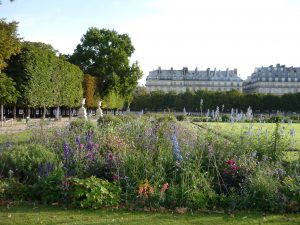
191 101
36 76
43 79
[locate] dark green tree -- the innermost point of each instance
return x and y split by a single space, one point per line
43 79
105 54
8 92
9 42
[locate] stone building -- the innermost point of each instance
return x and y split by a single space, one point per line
275 80
193 80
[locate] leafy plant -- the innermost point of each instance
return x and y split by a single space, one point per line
49 189
24 160
94 193
11 189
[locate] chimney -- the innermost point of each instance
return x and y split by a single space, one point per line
235 71
208 71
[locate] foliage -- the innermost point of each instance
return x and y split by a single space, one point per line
160 101
181 117
81 124
94 193
9 42
105 54
11 189
263 193
43 79
49 189
113 101
155 161
90 91
8 92
22 161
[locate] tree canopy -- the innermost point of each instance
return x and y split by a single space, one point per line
9 41
8 92
159 100
106 54
43 79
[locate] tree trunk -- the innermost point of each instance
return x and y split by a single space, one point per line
57 113
70 113
15 112
1 115
44 112
28 112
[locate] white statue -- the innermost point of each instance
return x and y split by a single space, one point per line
82 111
83 102
99 112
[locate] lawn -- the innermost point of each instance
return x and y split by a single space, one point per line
234 129
57 215
17 137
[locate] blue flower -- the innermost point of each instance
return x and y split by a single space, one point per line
176 148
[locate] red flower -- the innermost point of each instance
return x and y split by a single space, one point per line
231 162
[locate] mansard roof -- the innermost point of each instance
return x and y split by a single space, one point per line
278 71
201 75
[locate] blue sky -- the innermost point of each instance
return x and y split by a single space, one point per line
241 34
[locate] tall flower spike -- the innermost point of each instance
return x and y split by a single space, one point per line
66 151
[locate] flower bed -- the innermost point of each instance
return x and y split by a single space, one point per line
151 162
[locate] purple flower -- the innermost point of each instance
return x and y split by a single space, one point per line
89 136
66 151
77 139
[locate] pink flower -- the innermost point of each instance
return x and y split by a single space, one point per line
234 167
96 145
231 162
165 187
116 178
81 145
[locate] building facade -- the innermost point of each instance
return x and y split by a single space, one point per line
183 80
277 80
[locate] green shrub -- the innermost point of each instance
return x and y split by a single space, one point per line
275 119
263 193
22 161
181 117
291 188
81 124
10 189
49 189
200 119
166 118
225 118
109 119
94 193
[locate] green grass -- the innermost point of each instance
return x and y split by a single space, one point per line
19 137
58 215
234 129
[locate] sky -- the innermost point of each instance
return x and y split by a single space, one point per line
221 34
